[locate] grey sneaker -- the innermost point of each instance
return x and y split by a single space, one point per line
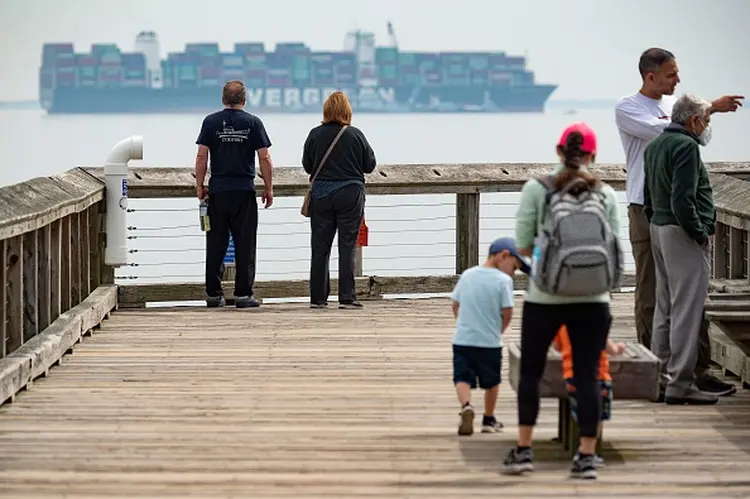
583 467
466 426
246 302
319 305
215 301
599 461
518 462
691 396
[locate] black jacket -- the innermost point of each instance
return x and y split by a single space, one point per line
350 158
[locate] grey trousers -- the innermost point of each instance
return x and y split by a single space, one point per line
682 273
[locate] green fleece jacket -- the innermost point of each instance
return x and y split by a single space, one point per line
676 187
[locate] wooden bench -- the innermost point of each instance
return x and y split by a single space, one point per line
635 376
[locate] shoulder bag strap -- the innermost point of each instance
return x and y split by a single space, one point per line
325 156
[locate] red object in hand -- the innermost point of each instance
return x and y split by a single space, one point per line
363 233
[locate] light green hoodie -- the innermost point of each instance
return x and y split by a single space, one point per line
529 221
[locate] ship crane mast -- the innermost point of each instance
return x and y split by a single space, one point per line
392 36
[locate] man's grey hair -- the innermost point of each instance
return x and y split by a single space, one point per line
687 106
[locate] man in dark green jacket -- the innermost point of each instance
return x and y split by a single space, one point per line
678 202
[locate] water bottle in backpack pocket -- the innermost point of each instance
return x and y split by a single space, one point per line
577 254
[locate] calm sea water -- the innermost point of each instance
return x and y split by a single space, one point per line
409 235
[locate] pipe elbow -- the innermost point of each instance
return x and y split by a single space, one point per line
127 149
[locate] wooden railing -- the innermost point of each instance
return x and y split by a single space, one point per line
51 247
467 182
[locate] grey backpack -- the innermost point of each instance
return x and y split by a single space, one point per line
576 253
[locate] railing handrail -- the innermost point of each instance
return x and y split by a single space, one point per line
35 203
433 178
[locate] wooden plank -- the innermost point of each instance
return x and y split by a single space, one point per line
3 300
30 286
95 261
150 408
14 311
66 265
56 269
85 255
635 373
467 231
44 284
151 182
106 272
30 205
38 354
735 253
372 287
719 269
75 260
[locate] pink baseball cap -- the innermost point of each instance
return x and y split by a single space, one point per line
589 136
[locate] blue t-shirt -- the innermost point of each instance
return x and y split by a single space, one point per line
232 137
482 293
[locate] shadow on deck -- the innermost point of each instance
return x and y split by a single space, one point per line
287 401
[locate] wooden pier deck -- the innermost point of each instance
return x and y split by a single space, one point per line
284 401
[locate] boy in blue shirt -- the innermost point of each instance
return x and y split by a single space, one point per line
483 307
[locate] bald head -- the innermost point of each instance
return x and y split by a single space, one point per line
233 94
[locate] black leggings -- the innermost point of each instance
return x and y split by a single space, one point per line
588 326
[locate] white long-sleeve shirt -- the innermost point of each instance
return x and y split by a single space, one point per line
640 120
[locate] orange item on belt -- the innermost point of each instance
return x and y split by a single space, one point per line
562 343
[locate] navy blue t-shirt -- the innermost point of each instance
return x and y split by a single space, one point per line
232 137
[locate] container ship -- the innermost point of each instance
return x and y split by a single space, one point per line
292 78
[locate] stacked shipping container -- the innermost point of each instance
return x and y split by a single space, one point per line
290 64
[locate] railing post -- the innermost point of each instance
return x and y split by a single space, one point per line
3 300
719 253
467 231
30 283
66 266
44 286
735 253
75 260
85 248
56 264
14 310
106 272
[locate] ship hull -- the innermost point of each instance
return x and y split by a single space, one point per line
271 100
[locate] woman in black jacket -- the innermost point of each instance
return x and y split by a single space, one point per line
337 198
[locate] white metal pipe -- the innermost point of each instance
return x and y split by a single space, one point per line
116 192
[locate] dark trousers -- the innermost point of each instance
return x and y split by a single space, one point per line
588 327
234 212
342 211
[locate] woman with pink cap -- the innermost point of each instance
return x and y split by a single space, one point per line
586 316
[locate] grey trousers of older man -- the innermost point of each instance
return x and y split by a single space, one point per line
682 273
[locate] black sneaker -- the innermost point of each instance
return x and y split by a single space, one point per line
246 302
599 461
215 301
319 305
711 384
354 304
518 462
584 467
491 425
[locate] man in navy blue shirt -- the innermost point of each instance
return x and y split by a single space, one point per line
232 138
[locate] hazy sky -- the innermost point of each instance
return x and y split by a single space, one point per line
589 47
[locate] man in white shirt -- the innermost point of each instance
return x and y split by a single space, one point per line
640 118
